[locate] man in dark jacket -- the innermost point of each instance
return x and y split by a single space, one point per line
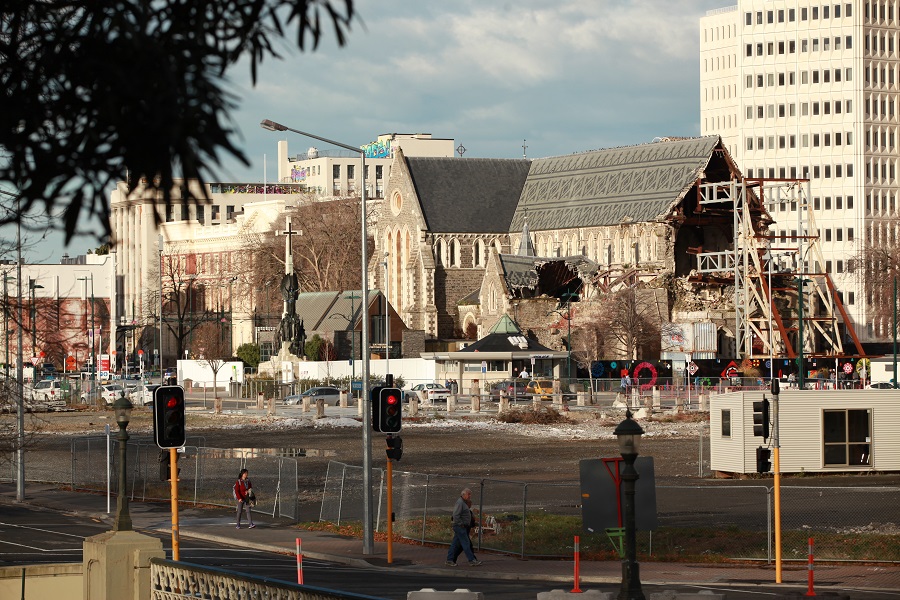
463 520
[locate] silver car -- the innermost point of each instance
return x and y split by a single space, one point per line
330 395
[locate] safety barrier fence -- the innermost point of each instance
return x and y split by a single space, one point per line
727 520
206 475
540 519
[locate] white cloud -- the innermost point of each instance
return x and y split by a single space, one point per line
568 76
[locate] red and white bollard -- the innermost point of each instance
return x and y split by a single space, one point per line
299 564
576 589
809 587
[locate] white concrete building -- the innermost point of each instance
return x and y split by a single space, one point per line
810 90
330 172
58 312
208 239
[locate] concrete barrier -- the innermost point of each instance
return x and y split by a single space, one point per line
504 402
535 401
595 594
476 404
320 408
413 407
271 406
305 403
433 594
342 402
451 403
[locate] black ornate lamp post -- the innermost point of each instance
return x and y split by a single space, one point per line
122 407
629 434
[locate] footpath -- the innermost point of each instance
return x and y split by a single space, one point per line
279 535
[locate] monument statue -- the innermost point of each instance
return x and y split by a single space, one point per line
291 333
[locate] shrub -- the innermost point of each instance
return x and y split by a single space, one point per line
544 415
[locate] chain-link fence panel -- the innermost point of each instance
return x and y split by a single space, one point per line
411 498
846 524
344 490
694 521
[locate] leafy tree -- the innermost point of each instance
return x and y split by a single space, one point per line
94 91
249 353
877 264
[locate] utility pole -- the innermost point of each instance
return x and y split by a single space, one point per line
160 249
20 374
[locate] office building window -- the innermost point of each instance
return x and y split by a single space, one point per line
792 15
803 14
827 202
849 198
839 202
840 266
726 422
827 235
336 171
748 18
839 236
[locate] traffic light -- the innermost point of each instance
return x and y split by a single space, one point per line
168 416
394 447
165 465
387 409
763 465
761 420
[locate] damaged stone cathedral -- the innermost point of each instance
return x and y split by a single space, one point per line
604 244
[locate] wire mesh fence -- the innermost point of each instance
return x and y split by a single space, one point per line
206 475
731 522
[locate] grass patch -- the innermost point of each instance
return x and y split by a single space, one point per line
551 536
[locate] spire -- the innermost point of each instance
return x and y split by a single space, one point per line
526 247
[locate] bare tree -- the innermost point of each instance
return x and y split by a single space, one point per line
632 323
214 349
588 343
877 265
326 253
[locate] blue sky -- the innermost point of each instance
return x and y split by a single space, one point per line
567 76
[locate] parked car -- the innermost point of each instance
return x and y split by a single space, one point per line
514 388
47 390
109 393
880 385
330 395
540 387
429 392
143 396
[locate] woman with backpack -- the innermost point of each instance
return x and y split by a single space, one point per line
243 493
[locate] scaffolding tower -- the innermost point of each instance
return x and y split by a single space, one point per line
785 304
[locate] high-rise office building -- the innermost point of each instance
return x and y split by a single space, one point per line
809 90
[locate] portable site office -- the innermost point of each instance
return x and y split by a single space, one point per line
819 431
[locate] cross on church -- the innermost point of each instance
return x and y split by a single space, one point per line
524 147
288 254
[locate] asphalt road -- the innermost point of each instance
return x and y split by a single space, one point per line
31 535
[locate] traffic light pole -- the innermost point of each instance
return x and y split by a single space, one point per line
390 510
173 476
776 467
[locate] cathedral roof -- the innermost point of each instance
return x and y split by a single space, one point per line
607 187
468 195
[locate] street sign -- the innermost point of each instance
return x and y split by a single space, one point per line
848 368
484 366
35 360
356 385
693 368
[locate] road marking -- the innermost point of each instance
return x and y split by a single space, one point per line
42 530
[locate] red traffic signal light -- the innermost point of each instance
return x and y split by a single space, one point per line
387 409
169 416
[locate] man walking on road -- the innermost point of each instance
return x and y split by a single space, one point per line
463 521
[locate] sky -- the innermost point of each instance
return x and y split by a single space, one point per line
565 76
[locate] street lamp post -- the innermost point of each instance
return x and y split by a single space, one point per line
6 280
628 432
160 249
32 286
93 355
122 408
801 379
387 313
368 512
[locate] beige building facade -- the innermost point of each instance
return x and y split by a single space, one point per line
811 90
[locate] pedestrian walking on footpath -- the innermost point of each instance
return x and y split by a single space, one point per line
245 497
463 521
